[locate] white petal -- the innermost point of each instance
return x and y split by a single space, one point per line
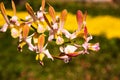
55 26
39 14
70 49
30 45
61 49
28 17
89 38
14 18
48 54
73 35
66 33
50 37
4 28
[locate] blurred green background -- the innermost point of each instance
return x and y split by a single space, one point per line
101 65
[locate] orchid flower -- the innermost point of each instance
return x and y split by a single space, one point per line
23 38
12 22
68 52
35 40
42 51
3 12
56 26
86 45
37 18
81 20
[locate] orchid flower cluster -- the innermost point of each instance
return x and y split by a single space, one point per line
31 31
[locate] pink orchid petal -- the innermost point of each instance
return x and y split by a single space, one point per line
85 45
89 38
79 17
51 37
94 47
66 33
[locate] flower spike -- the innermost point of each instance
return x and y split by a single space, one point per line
39 41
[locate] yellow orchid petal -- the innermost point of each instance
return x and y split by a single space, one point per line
41 56
80 33
37 57
20 46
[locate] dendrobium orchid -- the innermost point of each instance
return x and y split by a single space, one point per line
42 51
81 20
39 41
11 23
86 45
56 26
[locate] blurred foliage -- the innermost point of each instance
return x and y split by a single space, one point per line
102 65
93 9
